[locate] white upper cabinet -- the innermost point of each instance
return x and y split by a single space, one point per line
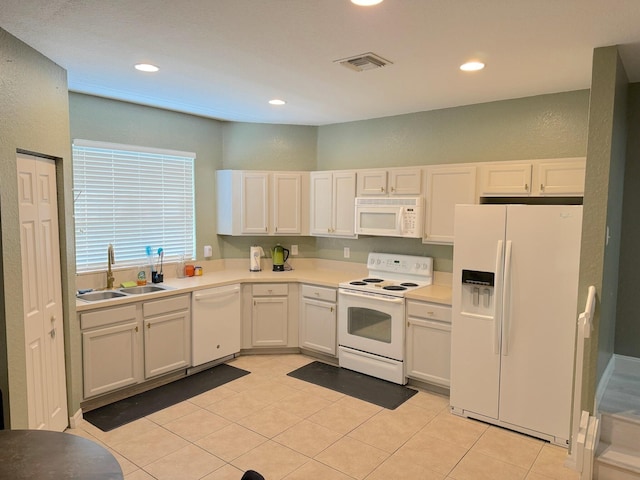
446 186
394 181
262 203
332 203
553 177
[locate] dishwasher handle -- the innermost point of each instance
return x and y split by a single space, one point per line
215 295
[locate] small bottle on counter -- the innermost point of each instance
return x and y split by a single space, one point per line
142 278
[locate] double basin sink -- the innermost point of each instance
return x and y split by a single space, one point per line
121 292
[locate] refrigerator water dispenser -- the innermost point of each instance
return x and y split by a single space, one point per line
477 292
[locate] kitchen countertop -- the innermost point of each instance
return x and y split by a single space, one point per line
317 276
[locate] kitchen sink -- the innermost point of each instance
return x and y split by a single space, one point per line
142 289
103 295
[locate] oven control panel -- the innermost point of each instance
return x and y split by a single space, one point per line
401 264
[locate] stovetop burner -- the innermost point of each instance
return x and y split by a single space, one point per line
357 282
372 280
409 284
395 287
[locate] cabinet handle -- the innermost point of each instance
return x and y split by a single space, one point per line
266 229
53 318
53 333
136 329
276 229
542 187
526 187
328 230
382 189
393 189
148 325
331 309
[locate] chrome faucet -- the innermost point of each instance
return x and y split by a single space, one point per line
110 261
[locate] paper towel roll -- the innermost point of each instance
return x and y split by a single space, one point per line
255 253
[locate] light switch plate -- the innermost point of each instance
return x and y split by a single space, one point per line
294 249
347 252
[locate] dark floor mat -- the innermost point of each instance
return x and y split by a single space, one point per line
124 411
370 389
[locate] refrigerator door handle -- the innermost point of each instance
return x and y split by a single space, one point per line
496 317
506 300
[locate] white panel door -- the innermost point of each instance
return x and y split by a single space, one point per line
539 318
42 293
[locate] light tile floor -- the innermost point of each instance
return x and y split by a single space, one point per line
289 429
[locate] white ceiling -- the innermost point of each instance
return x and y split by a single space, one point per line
225 58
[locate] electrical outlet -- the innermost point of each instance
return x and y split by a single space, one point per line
208 251
347 252
294 249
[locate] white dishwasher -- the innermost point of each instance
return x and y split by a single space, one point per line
215 328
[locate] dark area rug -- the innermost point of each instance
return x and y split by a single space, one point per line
133 408
373 390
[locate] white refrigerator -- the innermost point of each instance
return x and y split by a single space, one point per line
515 287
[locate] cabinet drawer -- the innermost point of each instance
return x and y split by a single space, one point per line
166 305
107 316
268 289
432 311
319 293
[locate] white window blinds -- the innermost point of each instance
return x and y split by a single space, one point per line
131 197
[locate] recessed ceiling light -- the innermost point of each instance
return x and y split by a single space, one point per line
366 3
277 101
146 67
472 66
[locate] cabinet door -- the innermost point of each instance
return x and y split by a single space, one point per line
269 321
446 187
344 194
510 179
372 182
287 198
111 358
429 351
318 326
322 203
405 181
255 203
167 343
560 178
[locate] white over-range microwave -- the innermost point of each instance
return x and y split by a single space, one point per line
389 216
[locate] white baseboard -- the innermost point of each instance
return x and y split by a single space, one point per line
74 421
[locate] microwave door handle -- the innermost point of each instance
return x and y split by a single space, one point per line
400 224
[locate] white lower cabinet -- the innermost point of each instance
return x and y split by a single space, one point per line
269 315
117 354
111 349
429 342
167 335
318 319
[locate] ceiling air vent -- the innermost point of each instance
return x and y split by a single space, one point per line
365 61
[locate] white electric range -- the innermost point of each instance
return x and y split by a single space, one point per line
371 314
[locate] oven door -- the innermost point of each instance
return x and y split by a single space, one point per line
372 323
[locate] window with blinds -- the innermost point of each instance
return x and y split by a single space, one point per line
131 197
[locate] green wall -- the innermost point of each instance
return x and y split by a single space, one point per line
545 126
35 117
627 334
602 224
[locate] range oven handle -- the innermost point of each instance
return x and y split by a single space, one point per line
374 296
